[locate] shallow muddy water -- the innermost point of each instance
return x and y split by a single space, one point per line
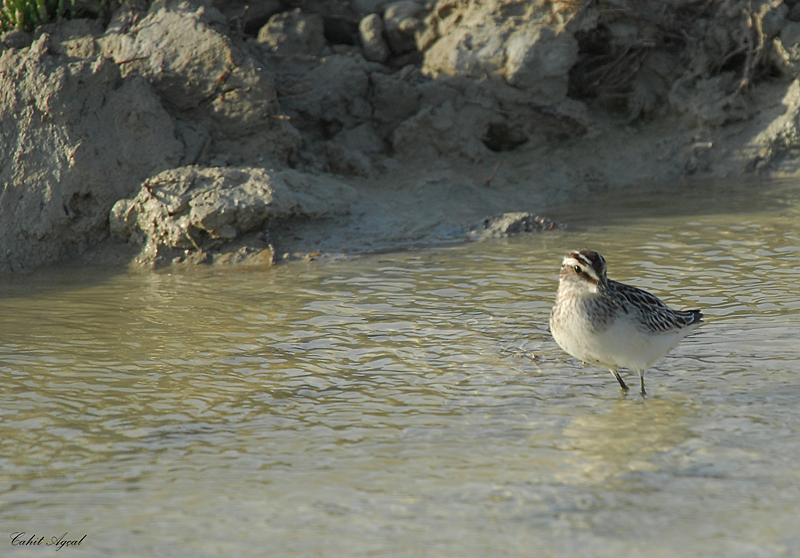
413 404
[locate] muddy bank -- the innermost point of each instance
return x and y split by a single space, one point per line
205 131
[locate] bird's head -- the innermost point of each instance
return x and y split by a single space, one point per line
584 268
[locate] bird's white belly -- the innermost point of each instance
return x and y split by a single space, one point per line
621 345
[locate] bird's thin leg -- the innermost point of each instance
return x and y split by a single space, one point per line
620 380
641 382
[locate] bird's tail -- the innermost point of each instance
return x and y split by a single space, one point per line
692 317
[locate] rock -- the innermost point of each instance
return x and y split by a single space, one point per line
777 142
539 60
204 77
401 22
364 7
347 162
713 100
74 138
428 32
439 130
16 38
372 42
248 15
185 76
510 224
73 37
362 138
339 104
528 54
452 120
293 32
794 13
786 51
395 97
191 213
774 20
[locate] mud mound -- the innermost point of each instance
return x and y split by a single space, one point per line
192 214
74 138
530 102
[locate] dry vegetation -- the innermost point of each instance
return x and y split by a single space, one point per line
639 53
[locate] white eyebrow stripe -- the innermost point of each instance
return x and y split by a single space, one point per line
571 260
578 259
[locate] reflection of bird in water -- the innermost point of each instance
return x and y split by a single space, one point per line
611 324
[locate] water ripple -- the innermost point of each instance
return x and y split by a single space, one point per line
412 402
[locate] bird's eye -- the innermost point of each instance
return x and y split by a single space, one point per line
577 269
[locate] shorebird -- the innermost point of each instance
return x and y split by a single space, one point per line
610 324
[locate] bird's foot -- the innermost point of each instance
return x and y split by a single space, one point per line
622 384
